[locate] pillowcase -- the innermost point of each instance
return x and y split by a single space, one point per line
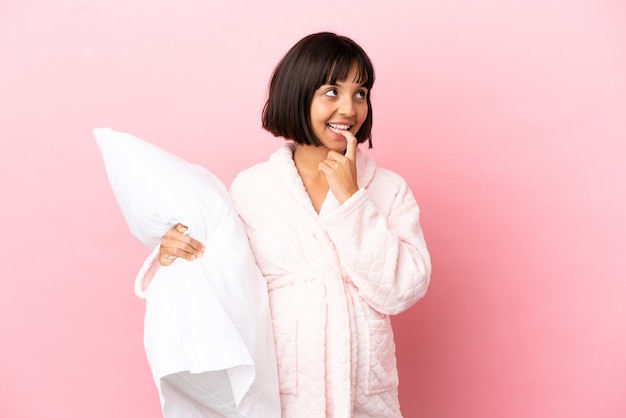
207 322
156 189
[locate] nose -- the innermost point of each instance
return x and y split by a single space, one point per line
346 106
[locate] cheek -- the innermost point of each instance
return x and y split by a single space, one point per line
317 112
363 112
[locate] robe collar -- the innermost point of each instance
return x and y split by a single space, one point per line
282 160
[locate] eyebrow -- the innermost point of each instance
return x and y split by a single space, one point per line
338 84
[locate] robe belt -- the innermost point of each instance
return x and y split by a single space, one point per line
289 279
335 342
301 276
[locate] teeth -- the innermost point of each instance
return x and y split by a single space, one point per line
334 127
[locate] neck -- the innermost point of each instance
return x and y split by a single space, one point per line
308 157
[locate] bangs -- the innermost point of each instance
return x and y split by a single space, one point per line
315 60
342 63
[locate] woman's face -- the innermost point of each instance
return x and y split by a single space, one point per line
337 107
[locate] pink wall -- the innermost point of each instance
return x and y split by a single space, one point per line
507 118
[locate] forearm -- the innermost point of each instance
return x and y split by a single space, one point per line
385 257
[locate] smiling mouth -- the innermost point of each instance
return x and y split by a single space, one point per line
338 127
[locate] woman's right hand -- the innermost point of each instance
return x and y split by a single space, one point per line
176 244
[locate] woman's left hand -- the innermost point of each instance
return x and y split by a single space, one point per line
340 170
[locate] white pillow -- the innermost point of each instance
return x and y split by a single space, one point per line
206 320
156 189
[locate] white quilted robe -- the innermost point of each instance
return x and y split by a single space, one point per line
333 280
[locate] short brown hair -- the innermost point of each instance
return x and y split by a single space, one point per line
317 59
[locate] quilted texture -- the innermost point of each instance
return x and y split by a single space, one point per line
333 280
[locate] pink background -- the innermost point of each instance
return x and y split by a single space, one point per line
507 118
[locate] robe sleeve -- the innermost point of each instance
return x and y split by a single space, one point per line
146 273
385 256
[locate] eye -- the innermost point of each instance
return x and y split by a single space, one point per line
331 92
361 94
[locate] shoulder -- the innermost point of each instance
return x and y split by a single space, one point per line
371 174
388 180
250 174
389 189
250 182
387 175
265 172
